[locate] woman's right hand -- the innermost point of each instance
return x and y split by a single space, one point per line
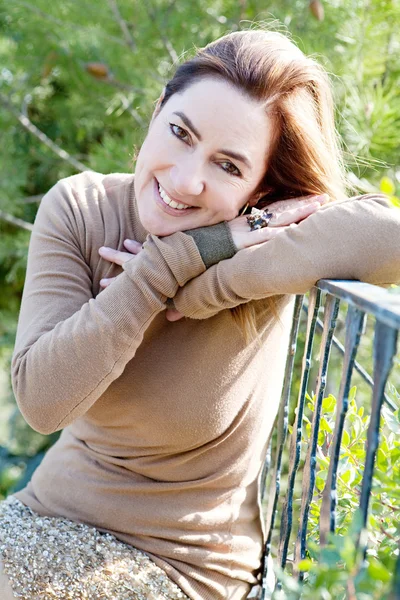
286 213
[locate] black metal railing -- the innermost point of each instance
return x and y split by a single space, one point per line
287 453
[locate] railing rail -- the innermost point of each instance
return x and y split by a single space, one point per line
362 300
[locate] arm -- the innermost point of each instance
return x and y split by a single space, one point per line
353 239
71 346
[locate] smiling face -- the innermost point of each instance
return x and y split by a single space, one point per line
203 158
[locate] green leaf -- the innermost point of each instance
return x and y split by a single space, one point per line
387 186
395 201
378 571
348 476
325 425
329 404
381 459
391 419
352 395
305 565
345 438
358 427
321 438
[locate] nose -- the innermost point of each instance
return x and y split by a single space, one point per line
187 178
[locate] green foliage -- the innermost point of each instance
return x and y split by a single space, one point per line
339 570
70 70
90 86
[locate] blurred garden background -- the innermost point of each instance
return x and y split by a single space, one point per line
78 83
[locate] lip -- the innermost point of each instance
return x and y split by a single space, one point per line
175 212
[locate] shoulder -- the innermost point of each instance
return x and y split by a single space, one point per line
89 196
92 180
87 208
94 187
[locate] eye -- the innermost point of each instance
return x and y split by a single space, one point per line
179 132
231 168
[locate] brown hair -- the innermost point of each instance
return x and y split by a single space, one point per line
296 92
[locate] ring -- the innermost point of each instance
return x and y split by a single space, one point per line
259 219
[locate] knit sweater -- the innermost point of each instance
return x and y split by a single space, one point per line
165 424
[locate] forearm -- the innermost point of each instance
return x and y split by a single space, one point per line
61 366
354 239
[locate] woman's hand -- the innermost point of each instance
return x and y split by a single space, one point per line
286 213
117 257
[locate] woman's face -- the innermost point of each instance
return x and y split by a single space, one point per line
203 158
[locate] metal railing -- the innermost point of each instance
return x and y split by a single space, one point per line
284 455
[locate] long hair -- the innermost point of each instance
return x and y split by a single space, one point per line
305 157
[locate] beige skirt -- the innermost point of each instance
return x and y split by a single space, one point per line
50 557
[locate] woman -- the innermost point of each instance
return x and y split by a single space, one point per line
165 420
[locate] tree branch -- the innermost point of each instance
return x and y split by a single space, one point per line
64 23
167 44
25 122
15 221
122 23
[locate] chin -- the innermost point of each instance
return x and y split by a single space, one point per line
154 227
164 231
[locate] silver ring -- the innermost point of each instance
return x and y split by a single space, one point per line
259 219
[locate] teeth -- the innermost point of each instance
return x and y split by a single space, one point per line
170 202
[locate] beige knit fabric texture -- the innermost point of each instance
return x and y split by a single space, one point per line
166 424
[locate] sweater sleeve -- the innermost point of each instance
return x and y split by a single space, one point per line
70 346
357 239
215 243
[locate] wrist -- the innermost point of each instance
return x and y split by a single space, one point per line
215 243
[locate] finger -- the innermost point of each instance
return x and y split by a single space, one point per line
114 256
321 198
307 210
133 246
107 281
260 236
294 215
266 234
173 315
281 206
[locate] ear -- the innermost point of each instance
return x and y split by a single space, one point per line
256 198
158 106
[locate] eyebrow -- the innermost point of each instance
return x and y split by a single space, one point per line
230 153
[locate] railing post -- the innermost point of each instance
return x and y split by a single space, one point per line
354 326
330 315
295 443
385 343
282 425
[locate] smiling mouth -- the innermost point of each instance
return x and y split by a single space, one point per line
169 202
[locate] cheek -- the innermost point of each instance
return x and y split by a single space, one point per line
230 213
230 203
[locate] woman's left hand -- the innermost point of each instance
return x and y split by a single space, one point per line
119 258
285 214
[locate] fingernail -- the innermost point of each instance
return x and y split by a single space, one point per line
129 242
322 198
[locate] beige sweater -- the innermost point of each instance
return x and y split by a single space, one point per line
166 424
